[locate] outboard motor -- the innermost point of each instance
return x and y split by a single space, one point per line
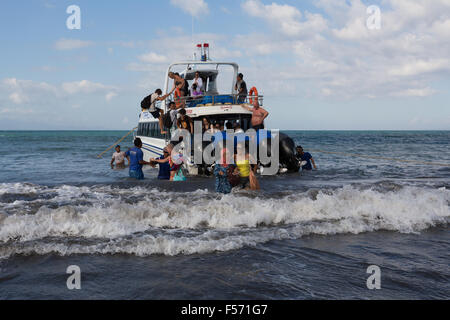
287 153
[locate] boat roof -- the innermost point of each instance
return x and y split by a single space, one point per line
207 111
209 62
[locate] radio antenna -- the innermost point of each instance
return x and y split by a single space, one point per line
192 35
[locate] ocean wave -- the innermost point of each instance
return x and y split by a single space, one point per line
113 220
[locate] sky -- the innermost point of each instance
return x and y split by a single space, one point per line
320 64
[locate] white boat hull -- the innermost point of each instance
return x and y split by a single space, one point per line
152 147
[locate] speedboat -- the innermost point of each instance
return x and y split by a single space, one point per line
219 103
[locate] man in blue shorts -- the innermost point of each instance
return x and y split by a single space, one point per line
136 160
305 157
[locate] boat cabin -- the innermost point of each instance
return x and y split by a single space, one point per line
219 102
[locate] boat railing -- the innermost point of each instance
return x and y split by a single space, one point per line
217 99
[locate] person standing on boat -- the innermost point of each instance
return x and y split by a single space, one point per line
180 83
118 158
258 115
237 128
199 82
136 161
206 124
305 158
185 122
149 103
241 88
173 113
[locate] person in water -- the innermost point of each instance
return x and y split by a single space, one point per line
243 167
136 161
118 158
305 157
176 173
221 172
164 167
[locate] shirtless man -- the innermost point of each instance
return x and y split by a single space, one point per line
119 159
259 115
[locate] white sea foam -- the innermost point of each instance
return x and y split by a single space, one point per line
109 222
19 188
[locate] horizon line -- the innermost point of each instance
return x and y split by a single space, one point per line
99 130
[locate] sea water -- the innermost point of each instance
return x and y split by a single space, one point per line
310 235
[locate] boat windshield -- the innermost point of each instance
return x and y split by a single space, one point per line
208 83
220 120
215 79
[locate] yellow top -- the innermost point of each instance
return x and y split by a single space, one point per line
244 168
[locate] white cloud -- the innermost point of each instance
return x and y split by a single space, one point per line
418 67
285 18
421 92
354 30
32 94
110 95
16 84
71 44
153 57
16 111
336 55
17 98
225 10
24 91
85 86
262 44
441 28
179 48
193 7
